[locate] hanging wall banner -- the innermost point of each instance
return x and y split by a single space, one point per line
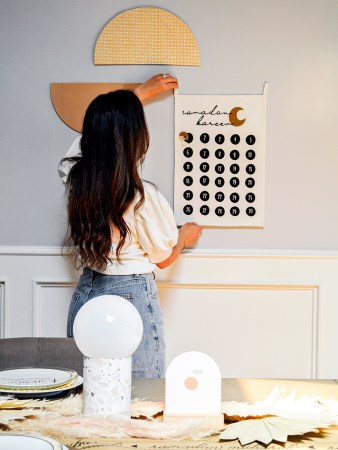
220 159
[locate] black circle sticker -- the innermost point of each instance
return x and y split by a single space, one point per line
249 182
235 139
250 211
204 180
250 154
234 154
188 181
250 197
250 140
234 168
234 211
204 138
219 139
219 153
219 211
204 153
187 152
188 209
204 167
186 137
234 197
188 195
219 168
219 196
204 195
188 166
250 168
219 181
204 210
234 182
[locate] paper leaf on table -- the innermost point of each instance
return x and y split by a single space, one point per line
6 415
12 409
8 402
271 429
277 417
277 405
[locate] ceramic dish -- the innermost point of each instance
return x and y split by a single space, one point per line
35 378
43 393
18 441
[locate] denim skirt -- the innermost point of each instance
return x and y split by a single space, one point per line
148 361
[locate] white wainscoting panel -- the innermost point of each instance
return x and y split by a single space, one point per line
251 325
50 307
34 275
257 313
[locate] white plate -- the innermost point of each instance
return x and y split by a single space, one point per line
35 378
16 441
45 393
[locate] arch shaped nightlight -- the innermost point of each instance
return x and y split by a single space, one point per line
147 36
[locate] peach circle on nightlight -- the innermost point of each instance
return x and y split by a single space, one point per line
191 383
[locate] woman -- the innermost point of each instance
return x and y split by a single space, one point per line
122 227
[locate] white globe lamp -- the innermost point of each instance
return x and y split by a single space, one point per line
107 330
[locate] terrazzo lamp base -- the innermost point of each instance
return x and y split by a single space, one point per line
107 386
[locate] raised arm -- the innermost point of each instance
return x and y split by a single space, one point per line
155 85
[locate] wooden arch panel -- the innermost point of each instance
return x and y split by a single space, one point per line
71 100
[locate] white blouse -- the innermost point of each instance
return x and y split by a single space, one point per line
153 230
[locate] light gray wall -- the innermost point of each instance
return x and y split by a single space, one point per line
292 44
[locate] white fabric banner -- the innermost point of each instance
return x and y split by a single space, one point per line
220 159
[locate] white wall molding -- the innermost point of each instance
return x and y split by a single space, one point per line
190 253
3 288
315 331
30 250
212 285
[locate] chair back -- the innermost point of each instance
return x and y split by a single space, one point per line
46 352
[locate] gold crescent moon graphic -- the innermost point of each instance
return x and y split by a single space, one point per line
233 119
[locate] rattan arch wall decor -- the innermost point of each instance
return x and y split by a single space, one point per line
147 36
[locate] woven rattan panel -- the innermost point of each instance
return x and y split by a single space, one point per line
147 36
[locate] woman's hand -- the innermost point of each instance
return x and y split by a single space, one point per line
155 85
190 232
187 237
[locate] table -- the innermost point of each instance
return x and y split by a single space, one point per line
243 390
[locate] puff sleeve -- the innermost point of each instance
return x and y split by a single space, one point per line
155 226
65 166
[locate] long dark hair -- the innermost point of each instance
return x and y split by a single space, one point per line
104 180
